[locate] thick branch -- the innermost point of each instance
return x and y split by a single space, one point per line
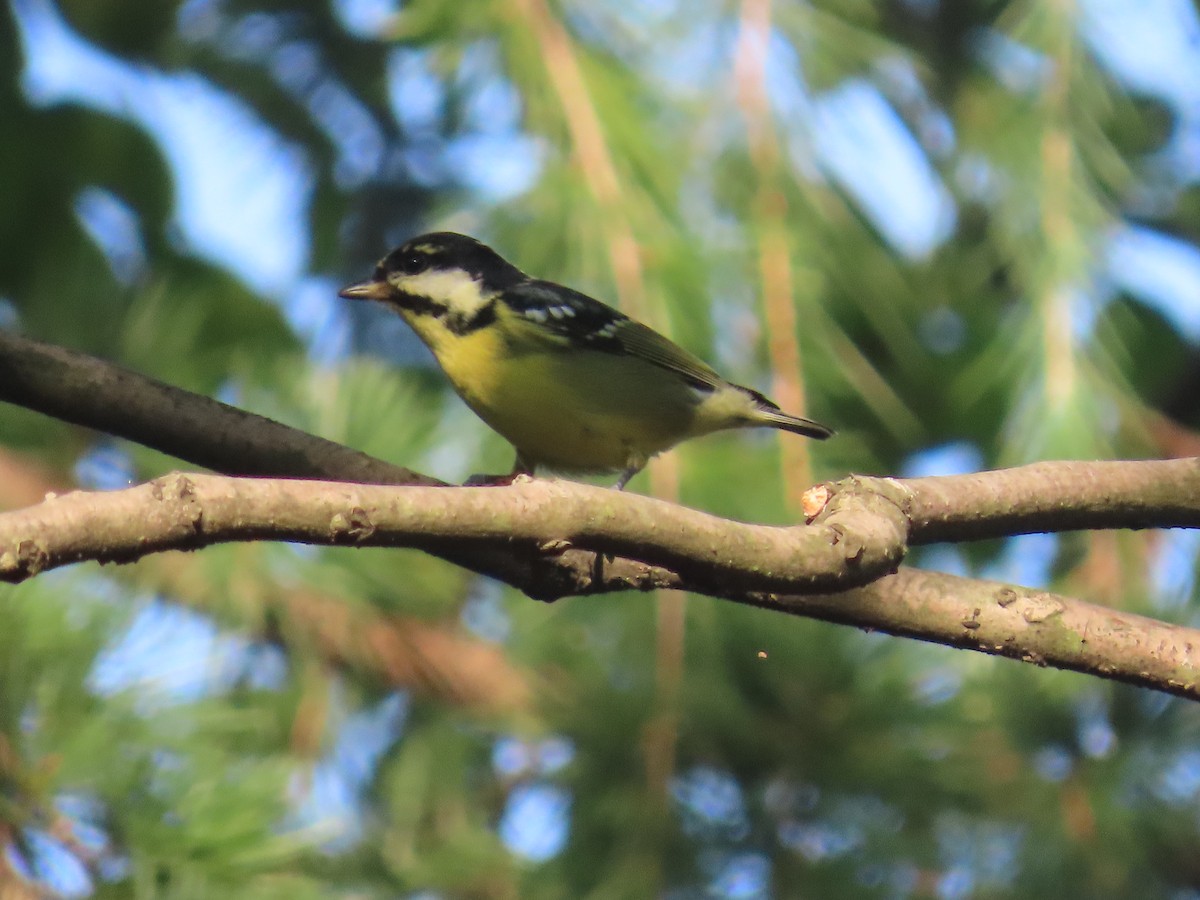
853 542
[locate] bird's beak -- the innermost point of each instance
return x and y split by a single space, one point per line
366 290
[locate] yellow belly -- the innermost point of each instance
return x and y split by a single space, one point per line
569 410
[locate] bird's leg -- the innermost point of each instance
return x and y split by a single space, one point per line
627 475
521 467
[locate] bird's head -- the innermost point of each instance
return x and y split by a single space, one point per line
449 276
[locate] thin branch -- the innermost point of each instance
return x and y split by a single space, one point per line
1059 225
408 653
860 531
599 171
560 57
1055 496
770 218
1016 622
84 390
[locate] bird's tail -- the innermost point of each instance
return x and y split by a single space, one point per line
772 416
807 427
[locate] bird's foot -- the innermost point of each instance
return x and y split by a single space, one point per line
498 480
626 476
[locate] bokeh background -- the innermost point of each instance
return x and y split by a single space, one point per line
962 232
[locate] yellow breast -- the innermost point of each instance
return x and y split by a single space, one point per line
566 409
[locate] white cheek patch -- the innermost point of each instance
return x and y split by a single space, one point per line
456 290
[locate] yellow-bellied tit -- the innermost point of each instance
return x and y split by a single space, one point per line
571 383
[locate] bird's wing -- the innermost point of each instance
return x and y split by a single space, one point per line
571 319
638 340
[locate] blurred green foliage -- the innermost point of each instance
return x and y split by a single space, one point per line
807 760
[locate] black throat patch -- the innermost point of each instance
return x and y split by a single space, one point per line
456 323
415 303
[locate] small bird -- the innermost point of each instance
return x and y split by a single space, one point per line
573 384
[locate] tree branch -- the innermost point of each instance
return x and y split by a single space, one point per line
860 531
551 539
858 537
1055 496
84 390
1020 623
706 555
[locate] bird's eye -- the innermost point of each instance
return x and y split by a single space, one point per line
414 263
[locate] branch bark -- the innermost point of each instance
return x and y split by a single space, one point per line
1055 496
860 534
858 537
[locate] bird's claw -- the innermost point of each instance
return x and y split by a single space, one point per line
498 480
